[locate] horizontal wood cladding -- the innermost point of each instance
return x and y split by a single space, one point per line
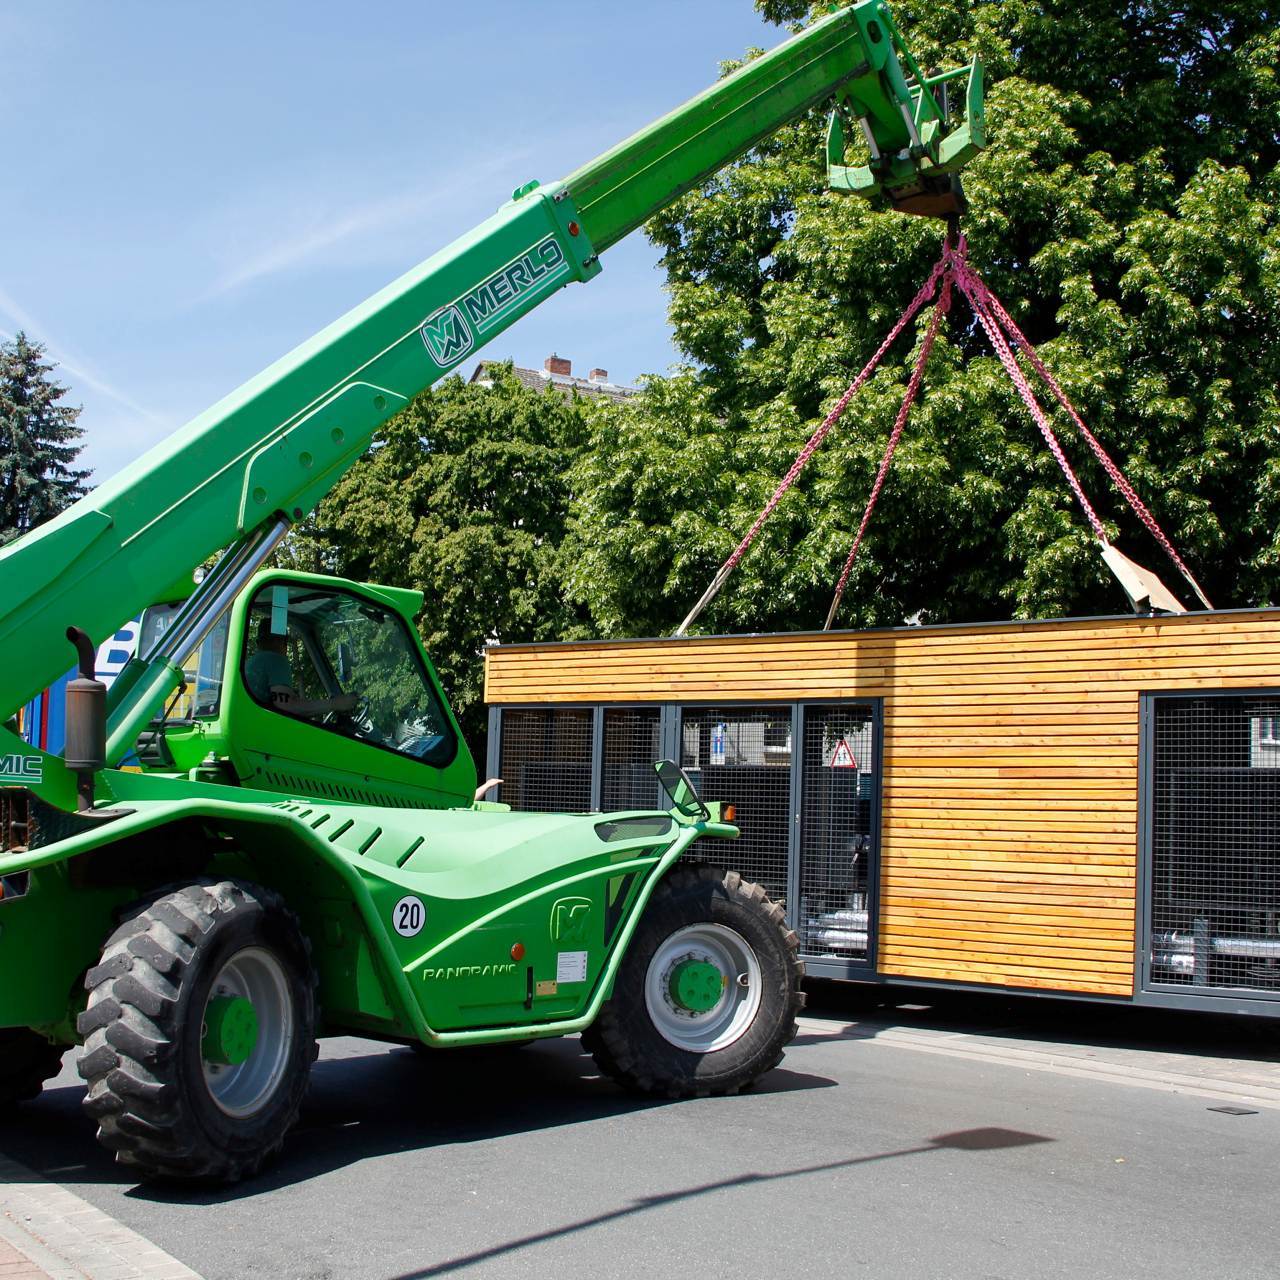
1010 788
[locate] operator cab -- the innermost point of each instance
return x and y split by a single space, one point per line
345 664
315 686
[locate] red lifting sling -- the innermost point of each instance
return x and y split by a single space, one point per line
952 270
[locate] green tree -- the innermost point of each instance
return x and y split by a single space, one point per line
1126 213
39 440
465 496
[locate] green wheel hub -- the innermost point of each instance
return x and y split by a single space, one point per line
230 1030
696 985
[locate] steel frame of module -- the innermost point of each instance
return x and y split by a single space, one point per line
1153 875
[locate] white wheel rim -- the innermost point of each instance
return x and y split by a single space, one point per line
253 974
727 1022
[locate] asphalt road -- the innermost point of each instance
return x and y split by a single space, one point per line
912 1142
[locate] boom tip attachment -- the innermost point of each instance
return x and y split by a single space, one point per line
917 141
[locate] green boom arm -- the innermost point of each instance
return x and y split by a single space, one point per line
277 445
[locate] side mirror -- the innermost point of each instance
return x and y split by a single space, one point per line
344 663
681 791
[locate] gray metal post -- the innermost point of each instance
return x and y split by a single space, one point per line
669 734
597 758
797 805
1146 807
493 750
876 816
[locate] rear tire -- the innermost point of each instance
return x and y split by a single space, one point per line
185 1082
27 1060
706 998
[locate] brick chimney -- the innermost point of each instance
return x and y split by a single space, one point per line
558 364
598 375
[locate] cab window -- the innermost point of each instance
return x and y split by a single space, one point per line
346 664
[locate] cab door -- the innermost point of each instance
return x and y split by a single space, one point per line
330 694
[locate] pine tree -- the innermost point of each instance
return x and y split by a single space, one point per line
39 441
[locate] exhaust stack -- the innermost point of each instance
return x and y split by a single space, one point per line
86 749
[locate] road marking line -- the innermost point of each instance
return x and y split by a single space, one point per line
947 1044
71 1239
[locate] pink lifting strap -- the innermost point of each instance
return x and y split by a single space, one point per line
913 389
925 293
1136 505
952 269
975 291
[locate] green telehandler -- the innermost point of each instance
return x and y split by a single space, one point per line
304 852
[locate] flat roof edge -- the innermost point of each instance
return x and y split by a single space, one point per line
921 629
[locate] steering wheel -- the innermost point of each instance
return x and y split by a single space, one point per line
355 720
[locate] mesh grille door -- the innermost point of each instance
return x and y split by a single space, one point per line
632 743
1215 843
546 759
837 843
742 755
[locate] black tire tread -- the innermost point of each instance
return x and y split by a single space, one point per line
129 1034
607 1040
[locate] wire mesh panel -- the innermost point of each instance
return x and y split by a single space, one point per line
1215 843
632 743
742 755
840 768
546 759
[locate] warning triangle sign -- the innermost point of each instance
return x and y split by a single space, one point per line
842 757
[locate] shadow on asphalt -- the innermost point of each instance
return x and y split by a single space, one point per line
376 1101
866 1009
989 1139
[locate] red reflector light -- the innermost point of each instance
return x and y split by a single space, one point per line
517 951
574 228
729 812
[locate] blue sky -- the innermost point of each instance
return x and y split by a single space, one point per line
192 189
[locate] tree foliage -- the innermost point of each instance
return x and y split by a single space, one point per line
39 440
465 496
1125 210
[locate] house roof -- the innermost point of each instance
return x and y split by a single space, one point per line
566 384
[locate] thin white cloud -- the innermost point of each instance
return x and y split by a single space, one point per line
289 252
21 318
302 244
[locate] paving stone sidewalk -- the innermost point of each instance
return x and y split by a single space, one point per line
17 1266
49 1233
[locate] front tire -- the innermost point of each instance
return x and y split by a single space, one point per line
200 1033
706 998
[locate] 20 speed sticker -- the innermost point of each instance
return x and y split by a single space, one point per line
408 916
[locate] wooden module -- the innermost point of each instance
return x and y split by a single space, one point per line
1010 783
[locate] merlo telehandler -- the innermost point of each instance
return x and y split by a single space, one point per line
303 853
